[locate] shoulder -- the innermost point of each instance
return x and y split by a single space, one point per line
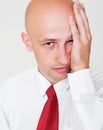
21 78
14 91
15 85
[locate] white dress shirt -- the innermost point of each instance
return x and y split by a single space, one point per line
80 98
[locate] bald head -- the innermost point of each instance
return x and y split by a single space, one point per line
39 10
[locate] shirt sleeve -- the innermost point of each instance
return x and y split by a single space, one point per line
86 99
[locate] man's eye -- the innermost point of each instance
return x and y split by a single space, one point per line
70 41
49 44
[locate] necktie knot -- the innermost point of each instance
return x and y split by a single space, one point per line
51 92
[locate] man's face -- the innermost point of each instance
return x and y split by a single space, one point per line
51 43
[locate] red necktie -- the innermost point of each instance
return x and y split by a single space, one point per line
49 117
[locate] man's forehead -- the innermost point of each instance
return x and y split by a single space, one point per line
37 9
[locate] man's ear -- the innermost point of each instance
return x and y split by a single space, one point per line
27 41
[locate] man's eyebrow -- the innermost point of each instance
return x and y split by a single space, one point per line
48 39
54 39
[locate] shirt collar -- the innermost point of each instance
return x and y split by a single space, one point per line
44 84
61 87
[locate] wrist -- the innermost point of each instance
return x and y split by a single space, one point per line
78 68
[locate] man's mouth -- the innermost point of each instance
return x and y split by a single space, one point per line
63 69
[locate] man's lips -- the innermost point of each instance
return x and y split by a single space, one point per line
62 69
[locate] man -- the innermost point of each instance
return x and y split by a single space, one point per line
58 33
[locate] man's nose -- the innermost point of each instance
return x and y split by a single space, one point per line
64 56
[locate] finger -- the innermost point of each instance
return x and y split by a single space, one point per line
74 29
80 22
85 19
